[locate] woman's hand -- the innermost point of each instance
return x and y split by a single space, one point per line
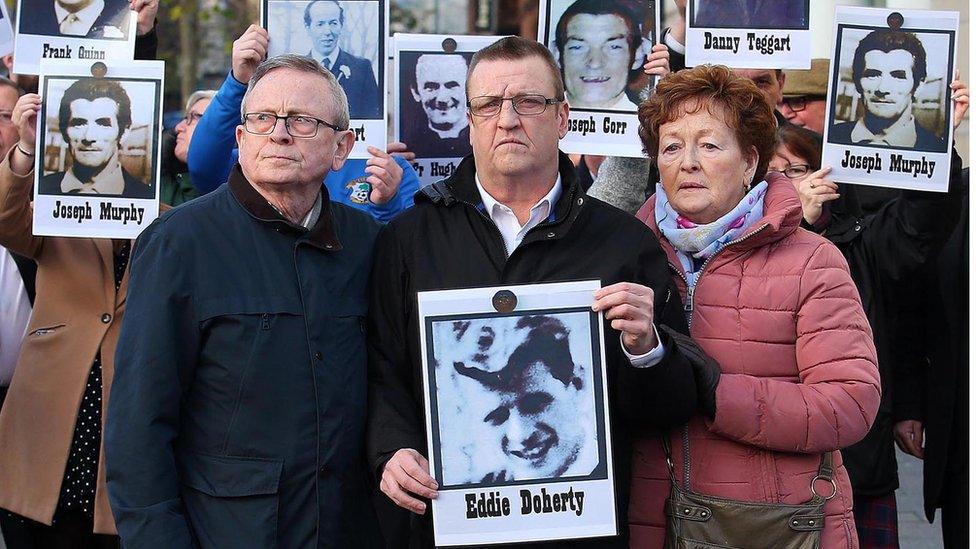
814 190
960 94
24 117
657 61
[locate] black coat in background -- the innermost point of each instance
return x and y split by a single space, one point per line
935 388
447 241
884 249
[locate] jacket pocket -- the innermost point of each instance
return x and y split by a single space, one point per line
45 330
231 501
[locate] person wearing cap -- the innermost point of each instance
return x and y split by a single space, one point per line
805 96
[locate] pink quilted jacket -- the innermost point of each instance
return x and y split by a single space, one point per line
778 310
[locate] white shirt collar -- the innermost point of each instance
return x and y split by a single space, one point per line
108 181
899 134
504 218
86 17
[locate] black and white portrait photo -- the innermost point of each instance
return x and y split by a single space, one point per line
888 121
96 167
344 36
601 46
104 19
433 104
516 410
99 137
892 89
76 30
750 14
524 386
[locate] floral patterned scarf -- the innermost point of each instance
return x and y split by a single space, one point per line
696 243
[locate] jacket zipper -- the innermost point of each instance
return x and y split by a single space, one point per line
689 307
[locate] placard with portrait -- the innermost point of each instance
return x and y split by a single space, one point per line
889 120
348 38
6 31
517 414
431 115
79 30
98 140
601 47
748 34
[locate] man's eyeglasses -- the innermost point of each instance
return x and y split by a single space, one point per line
798 104
527 105
795 171
297 125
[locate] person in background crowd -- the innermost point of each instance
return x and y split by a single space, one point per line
15 310
805 96
884 249
52 487
932 393
773 305
382 186
516 215
175 187
216 442
9 93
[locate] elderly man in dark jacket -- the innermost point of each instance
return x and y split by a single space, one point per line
238 407
514 213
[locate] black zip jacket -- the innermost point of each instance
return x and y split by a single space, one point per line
448 241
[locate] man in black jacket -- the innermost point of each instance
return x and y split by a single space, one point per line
513 213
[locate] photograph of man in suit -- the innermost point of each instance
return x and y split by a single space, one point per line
324 20
888 67
79 18
598 45
93 117
442 130
769 14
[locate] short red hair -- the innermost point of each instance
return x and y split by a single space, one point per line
746 111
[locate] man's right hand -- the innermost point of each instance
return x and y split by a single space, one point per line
248 52
404 476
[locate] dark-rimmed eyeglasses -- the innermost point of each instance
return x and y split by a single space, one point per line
799 104
297 125
795 171
526 105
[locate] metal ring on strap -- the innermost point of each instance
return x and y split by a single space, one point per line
813 487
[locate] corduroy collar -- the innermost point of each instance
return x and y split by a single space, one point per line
322 234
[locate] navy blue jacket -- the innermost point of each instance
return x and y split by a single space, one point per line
357 79
239 398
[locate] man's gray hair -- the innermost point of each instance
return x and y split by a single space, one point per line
199 95
303 63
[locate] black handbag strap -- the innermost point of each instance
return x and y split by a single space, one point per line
825 472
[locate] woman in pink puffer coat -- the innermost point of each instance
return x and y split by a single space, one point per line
773 304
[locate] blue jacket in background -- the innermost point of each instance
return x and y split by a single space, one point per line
213 151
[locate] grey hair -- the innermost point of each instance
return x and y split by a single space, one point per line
199 95
302 63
